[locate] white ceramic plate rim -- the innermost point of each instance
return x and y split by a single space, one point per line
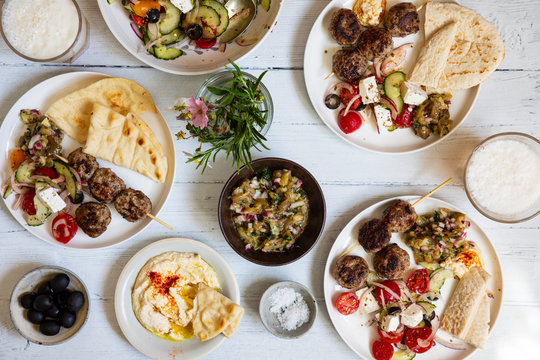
343 239
132 268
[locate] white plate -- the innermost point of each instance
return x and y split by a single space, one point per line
195 61
142 339
41 97
352 328
321 47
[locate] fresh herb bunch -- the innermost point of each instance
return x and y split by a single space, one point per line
232 122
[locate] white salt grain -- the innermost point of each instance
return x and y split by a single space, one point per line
290 308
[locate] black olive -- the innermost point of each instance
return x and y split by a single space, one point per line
427 323
360 107
49 327
152 16
60 282
27 299
194 31
332 101
53 312
43 302
79 198
45 288
35 317
393 310
67 319
75 301
61 299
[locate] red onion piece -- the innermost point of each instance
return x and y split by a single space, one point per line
18 187
364 295
334 89
350 103
450 345
377 66
136 30
18 201
391 292
391 106
395 59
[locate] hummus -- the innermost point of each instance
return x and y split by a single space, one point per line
164 290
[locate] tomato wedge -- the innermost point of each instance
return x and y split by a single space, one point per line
346 96
64 227
380 293
46 171
416 339
28 202
418 281
205 43
382 350
347 303
140 21
405 119
391 336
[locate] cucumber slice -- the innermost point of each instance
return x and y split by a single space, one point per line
403 355
429 308
189 18
24 171
209 20
171 19
222 12
392 88
111 1
437 279
399 104
42 213
175 36
266 4
71 180
7 192
164 53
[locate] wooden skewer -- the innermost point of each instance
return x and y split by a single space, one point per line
62 158
159 221
329 75
415 203
421 6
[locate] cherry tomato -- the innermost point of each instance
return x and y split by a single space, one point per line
347 303
141 22
412 336
205 43
144 6
391 336
28 202
405 119
350 122
382 350
50 172
388 298
64 227
346 96
418 281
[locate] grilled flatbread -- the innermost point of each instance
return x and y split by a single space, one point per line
72 113
125 141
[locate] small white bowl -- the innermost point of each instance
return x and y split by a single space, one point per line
270 320
30 282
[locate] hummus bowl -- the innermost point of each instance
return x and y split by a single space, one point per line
148 343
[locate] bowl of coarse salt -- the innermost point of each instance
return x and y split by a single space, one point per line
288 309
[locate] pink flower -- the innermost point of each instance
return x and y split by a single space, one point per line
198 110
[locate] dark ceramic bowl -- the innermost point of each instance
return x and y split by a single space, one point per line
308 238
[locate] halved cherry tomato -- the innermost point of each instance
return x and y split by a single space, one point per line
350 122
64 227
141 22
413 336
205 43
50 172
382 350
16 157
346 96
347 303
28 202
391 336
405 119
144 6
380 293
418 281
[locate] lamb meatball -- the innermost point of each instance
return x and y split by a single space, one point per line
132 204
402 20
391 262
349 64
345 27
93 218
374 235
84 164
400 216
375 43
105 185
351 272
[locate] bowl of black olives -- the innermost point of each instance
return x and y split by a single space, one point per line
49 305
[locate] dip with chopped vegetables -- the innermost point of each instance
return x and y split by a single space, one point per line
270 210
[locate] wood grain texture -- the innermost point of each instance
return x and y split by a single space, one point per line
351 179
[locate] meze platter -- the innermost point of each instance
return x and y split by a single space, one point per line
75 199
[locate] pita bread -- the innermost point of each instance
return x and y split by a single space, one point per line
432 58
126 141
467 313
214 314
72 113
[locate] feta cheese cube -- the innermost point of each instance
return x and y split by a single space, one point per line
183 5
412 94
369 303
50 198
412 315
369 90
390 322
383 117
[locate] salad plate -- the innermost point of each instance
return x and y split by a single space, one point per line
320 48
142 339
194 61
355 330
41 97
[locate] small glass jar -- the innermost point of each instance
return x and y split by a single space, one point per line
79 45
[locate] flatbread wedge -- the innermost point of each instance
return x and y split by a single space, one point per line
126 141
72 113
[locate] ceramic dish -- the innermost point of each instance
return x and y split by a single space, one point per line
29 282
353 329
270 320
194 61
308 238
321 47
41 97
142 339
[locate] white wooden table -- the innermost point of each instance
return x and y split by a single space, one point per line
352 180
